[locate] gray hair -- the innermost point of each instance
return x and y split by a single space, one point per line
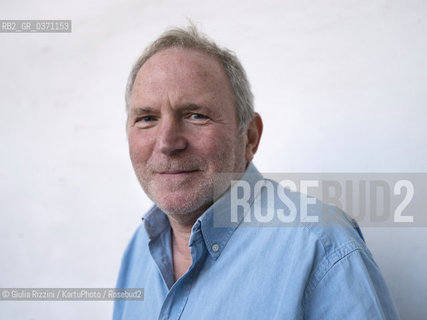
191 38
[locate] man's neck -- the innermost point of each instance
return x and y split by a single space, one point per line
181 233
181 252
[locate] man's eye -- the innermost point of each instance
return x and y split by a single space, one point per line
198 116
146 119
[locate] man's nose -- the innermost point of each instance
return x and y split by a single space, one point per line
171 138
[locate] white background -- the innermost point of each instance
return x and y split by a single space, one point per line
340 84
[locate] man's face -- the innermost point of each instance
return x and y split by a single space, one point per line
182 129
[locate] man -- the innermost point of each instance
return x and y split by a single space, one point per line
198 255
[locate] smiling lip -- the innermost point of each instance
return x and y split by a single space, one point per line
175 173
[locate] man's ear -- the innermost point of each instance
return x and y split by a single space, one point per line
253 136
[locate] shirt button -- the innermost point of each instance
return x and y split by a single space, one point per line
215 247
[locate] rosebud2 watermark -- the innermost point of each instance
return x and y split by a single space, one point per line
286 199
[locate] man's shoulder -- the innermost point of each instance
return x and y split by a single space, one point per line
334 229
278 207
304 225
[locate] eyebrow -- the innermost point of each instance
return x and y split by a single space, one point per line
190 107
142 110
185 107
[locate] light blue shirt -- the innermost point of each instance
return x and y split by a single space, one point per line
249 270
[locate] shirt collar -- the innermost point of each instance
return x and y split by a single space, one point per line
215 223
155 222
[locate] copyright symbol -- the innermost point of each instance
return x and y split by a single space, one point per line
5 294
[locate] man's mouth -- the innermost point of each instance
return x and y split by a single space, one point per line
177 172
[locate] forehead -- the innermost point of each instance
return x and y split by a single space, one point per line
186 60
183 71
